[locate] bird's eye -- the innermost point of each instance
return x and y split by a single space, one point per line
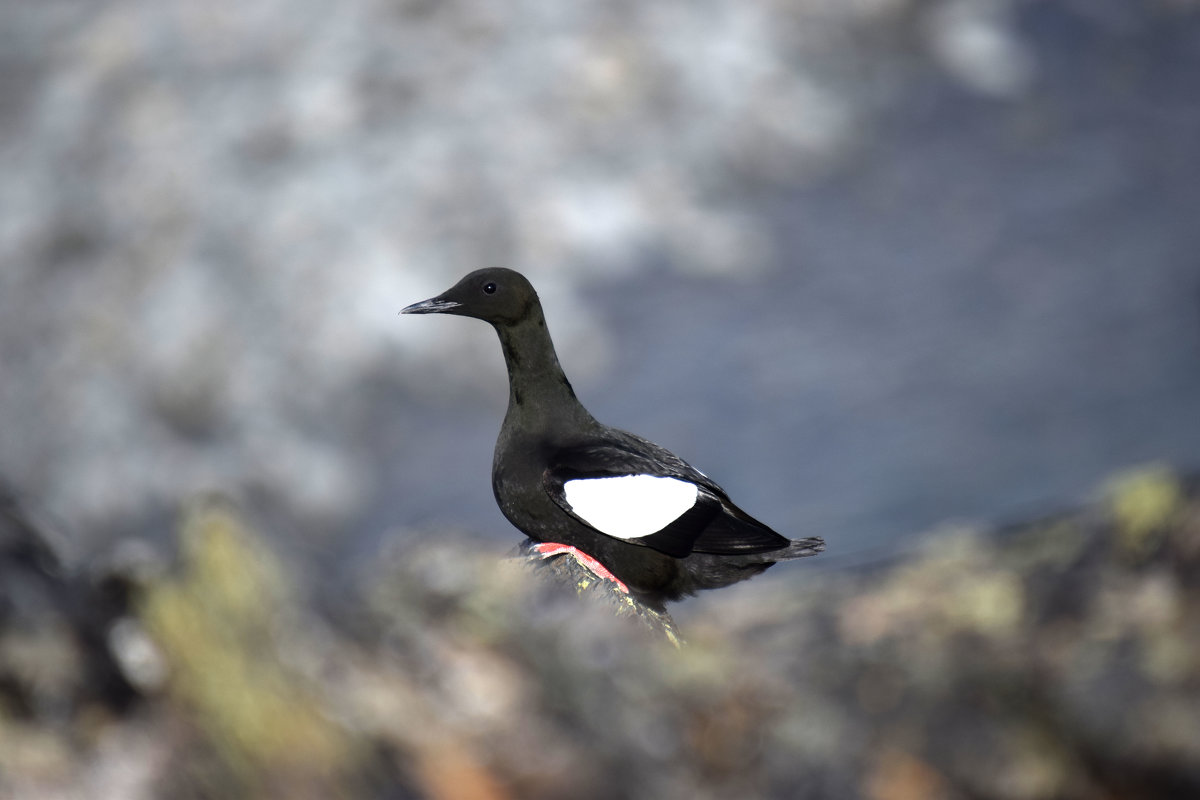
489 288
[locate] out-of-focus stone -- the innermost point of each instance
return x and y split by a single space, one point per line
1005 665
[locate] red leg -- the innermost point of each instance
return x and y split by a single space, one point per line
548 549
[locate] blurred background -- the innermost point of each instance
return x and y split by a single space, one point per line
871 265
874 266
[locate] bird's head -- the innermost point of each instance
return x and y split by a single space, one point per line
496 295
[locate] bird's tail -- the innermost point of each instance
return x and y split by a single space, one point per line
799 548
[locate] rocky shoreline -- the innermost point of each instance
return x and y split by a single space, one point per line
1056 659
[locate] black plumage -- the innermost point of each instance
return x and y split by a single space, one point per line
550 446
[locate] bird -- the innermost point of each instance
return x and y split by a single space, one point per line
628 510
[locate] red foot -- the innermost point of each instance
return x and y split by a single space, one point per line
548 549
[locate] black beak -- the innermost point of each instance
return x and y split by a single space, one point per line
432 306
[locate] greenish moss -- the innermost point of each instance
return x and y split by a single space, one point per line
1143 503
218 623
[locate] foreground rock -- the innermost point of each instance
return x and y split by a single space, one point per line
1059 659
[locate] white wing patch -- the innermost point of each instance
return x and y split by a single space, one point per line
629 506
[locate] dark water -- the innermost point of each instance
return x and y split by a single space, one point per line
982 313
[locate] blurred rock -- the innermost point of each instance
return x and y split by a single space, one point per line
567 573
55 662
1056 659
61 682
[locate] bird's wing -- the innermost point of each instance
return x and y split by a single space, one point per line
632 489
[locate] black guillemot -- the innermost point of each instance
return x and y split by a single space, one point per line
629 510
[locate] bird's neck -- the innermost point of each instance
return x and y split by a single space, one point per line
540 397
